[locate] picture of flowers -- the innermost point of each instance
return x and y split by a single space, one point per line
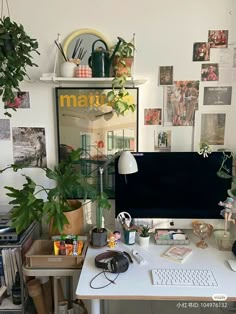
152 116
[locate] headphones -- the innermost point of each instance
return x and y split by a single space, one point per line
118 261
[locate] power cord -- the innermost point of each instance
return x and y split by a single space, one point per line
104 272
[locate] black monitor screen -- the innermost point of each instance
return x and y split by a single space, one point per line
173 185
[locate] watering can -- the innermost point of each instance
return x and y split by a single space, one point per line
99 61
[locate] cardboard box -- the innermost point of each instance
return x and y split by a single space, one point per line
41 255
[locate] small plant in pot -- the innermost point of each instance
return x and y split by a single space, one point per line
144 235
15 56
99 233
118 97
68 182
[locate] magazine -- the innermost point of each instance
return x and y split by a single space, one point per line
177 253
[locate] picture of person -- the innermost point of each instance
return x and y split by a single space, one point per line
218 38
181 101
210 72
29 146
40 151
201 51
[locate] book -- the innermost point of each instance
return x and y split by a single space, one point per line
177 253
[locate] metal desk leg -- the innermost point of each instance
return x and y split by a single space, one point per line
55 294
95 306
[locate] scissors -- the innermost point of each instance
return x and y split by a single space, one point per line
124 218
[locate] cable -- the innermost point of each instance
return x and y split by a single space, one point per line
104 273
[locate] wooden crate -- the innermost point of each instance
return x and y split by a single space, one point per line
41 255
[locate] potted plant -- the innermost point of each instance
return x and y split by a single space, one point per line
69 181
15 56
118 97
144 235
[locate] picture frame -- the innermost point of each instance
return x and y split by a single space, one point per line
211 128
86 120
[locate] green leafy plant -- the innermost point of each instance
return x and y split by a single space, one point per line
118 97
144 231
223 172
15 56
69 182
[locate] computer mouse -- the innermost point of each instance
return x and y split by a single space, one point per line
232 264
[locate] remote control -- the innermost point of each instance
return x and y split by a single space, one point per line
139 258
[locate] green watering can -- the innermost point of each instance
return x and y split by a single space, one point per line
100 61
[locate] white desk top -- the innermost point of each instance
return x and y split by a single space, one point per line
136 282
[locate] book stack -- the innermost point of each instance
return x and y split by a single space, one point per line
177 253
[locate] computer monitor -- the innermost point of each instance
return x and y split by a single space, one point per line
174 188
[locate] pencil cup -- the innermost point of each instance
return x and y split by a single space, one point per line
68 69
129 236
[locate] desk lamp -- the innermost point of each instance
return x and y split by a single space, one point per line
126 165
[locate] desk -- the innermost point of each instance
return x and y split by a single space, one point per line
56 273
136 282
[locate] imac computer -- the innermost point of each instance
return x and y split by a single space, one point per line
171 189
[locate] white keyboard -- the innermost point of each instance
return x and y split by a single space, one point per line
183 277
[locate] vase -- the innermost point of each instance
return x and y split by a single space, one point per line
144 241
75 218
68 69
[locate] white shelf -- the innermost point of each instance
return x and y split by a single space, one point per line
102 81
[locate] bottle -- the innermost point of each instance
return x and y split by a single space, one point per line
16 290
62 248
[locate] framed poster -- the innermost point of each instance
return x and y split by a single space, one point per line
87 121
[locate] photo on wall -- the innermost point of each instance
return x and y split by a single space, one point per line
201 51
210 72
152 116
22 100
29 146
162 141
5 133
218 38
217 95
166 75
180 103
210 129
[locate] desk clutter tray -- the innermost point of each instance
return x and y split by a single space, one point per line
41 255
170 237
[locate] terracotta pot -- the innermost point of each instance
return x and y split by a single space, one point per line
121 68
75 218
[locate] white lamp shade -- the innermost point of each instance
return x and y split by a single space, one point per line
127 163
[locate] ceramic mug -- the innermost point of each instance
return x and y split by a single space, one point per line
68 69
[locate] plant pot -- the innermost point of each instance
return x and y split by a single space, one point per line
122 66
75 218
99 237
144 241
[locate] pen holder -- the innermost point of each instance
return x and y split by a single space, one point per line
129 236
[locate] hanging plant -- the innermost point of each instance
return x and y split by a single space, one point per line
15 55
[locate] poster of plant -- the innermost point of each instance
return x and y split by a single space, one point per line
180 103
152 116
29 146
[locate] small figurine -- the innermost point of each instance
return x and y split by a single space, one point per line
111 241
117 235
227 211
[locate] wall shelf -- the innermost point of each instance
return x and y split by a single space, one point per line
94 81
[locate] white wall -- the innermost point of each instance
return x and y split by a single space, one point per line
165 32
